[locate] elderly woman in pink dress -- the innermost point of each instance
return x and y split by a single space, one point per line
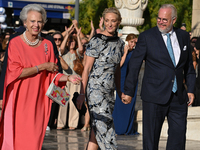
31 67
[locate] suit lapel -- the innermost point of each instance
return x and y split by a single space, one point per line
164 52
179 37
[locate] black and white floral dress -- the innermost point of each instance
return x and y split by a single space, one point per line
107 52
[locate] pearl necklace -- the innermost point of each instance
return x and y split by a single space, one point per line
29 42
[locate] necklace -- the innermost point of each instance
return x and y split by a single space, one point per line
29 42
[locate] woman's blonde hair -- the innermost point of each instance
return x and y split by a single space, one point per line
112 10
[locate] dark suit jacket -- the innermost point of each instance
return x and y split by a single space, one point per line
3 73
159 70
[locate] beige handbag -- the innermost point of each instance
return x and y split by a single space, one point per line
57 94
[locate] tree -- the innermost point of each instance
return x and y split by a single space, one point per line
93 9
184 13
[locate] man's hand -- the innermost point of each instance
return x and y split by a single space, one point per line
126 99
191 98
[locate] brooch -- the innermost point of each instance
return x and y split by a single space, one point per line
46 48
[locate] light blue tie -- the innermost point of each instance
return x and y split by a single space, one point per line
171 53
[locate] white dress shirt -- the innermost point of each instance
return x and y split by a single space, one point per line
175 45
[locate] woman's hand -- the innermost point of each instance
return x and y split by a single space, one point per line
101 24
78 32
75 79
92 25
126 48
75 23
69 30
50 66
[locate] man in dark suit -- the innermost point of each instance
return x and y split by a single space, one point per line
168 62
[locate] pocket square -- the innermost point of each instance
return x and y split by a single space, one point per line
185 47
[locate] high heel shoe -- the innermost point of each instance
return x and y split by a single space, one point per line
85 129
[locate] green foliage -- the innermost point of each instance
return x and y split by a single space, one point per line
184 13
93 9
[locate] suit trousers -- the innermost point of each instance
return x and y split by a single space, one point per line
153 118
73 112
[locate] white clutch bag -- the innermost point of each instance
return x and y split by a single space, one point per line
57 94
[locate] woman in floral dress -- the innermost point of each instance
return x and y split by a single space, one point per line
101 74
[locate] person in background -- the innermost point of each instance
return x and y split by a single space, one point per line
74 49
7 35
194 57
58 38
183 26
197 92
123 114
168 62
2 55
101 74
31 67
5 43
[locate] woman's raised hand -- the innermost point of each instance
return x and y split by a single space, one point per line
126 48
69 30
78 32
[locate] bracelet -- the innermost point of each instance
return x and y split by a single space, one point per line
68 78
37 69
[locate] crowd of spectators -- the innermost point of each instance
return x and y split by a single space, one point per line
70 44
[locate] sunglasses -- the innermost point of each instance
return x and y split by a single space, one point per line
55 39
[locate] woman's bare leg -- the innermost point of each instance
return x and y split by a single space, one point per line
92 145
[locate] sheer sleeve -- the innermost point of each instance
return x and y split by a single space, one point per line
94 47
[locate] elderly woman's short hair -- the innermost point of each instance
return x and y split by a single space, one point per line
32 7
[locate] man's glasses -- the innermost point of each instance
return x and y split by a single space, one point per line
55 39
163 20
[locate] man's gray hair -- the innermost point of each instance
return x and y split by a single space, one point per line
32 7
173 8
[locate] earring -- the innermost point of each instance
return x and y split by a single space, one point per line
26 27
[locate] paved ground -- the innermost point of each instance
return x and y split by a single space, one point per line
77 140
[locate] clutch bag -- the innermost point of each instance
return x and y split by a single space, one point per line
57 94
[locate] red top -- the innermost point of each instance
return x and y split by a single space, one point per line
26 108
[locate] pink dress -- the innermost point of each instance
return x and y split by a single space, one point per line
26 108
